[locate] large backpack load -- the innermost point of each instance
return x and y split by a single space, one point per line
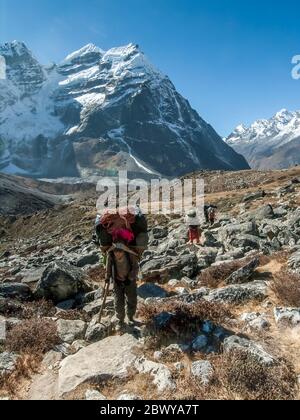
127 225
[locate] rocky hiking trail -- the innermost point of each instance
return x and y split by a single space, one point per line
218 321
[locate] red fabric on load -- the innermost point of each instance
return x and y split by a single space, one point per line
122 235
112 222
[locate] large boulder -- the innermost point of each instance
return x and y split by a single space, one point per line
239 293
234 229
166 268
244 274
61 281
15 290
108 359
246 242
264 212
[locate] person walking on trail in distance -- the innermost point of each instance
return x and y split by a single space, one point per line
194 230
122 268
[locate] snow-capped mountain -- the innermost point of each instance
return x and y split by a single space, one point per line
97 112
269 144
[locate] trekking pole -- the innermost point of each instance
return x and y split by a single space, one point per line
106 291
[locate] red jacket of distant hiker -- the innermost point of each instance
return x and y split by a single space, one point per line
194 233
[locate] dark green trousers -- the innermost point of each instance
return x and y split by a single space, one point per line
125 299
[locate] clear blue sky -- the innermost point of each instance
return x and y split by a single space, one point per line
230 58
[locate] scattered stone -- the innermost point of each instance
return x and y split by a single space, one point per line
203 371
287 316
90 259
70 331
78 345
52 358
7 362
237 344
148 290
15 290
162 376
256 321
129 397
96 332
93 395
200 343
244 274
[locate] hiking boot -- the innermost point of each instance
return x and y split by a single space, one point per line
120 326
131 322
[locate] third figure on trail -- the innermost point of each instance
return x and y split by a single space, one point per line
193 227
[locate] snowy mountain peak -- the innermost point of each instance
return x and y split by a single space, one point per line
14 48
82 52
97 112
267 138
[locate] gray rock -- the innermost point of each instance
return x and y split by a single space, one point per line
254 196
108 359
242 345
7 362
52 358
240 293
90 259
234 229
93 395
129 397
287 316
66 305
294 262
96 332
256 321
15 290
200 343
181 291
235 254
246 242
162 376
264 212
78 345
203 371
61 281
160 232
151 290
31 275
244 274
70 331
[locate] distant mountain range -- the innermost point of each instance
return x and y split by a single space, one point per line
269 144
97 112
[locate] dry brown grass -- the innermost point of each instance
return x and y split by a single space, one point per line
216 275
25 366
28 310
32 336
240 377
286 286
186 320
